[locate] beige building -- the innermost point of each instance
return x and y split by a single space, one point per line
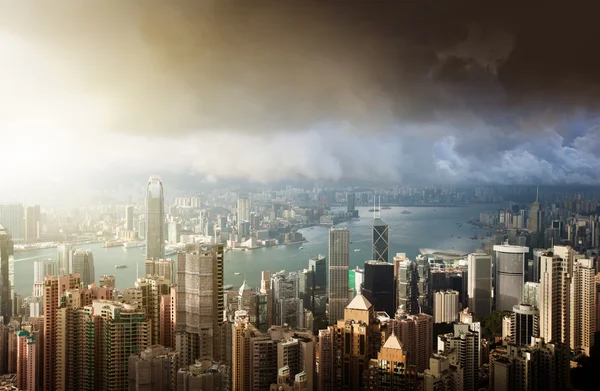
153 369
583 306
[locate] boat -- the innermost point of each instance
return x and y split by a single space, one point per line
481 237
134 244
385 207
274 246
474 237
300 248
112 244
236 273
120 266
357 250
373 210
458 237
227 287
405 212
459 225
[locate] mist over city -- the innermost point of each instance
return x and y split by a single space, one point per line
326 195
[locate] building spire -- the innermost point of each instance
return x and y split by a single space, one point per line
537 194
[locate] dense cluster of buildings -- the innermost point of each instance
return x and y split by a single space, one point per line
398 323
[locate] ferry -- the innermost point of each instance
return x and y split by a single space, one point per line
134 244
357 250
300 248
405 212
385 207
227 287
120 266
112 244
237 274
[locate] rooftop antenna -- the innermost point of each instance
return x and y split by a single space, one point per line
537 193
378 210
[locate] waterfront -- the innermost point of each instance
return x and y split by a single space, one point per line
431 227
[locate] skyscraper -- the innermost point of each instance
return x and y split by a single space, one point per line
6 250
380 240
479 287
155 219
445 307
83 264
32 223
339 259
535 221
243 211
318 265
510 275
524 324
152 369
583 306
378 286
407 287
129 217
65 258
351 202
12 218
200 303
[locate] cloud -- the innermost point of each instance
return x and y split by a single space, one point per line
263 90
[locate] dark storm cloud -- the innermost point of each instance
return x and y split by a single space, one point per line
446 91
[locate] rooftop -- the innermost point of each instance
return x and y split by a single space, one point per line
393 342
359 303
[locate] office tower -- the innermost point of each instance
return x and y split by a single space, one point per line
12 217
174 232
129 217
583 306
32 223
531 294
161 268
6 251
152 289
356 279
318 265
555 280
203 375
83 264
351 202
425 296
243 211
65 258
265 289
534 274
416 334
479 285
43 268
152 369
536 216
407 287
378 287
390 371
445 306
155 219
200 303
287 305
107 280
54 288
339 259
510 275
524 324
465 344
380 240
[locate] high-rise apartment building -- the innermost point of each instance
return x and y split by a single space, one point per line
288 307
129 217
202 375
152 290
479 286
583 306
155 219
65 259
82 263
174 232
243 211
465 344
445 307
152 369
28 352
524 324
407 287
32 223
531 294
416 334
200 303
424 288
6 250
351 202
378 286
12 218
381 241
510 275
339 259
161 268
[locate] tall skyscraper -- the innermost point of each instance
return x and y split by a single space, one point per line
129 217
390 370
6 250
12 218
479 287
155 219
416 334
351 202
555 300
380 240
445 307
465 344
318 265
583 306
339 259
174 232
83 264
200 303
65 258
378 286
536 216
152 369
243 211
161 268
152 289
510 275
524 324
32 223
407 287
424 289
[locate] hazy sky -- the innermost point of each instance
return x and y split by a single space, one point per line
270 90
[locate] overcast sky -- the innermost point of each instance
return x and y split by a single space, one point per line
266 91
